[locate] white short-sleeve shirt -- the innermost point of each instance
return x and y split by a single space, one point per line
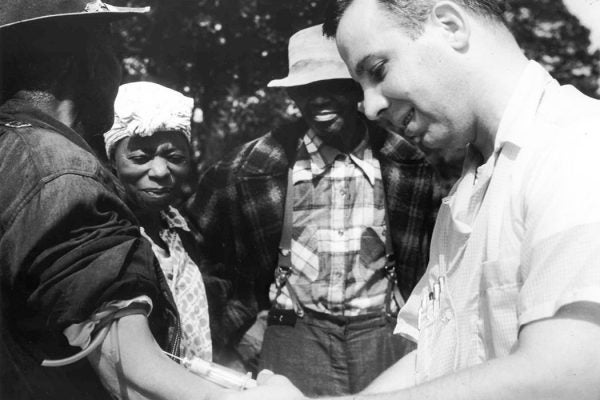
518 237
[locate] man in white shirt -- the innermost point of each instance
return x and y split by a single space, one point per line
509 307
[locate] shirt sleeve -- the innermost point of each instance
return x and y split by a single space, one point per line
72 247
80 334
560 261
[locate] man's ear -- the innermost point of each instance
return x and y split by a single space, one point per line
454 22
112 166
111 162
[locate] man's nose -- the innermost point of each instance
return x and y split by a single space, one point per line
374 103
159 168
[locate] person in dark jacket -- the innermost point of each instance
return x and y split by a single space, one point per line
359 207
73 267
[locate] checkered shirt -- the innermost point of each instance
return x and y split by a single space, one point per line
338 234
238 210
186 284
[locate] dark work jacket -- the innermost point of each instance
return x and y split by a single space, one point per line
238 209
68 244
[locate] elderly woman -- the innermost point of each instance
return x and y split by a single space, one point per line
149 149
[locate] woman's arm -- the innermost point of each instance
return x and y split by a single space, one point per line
131 365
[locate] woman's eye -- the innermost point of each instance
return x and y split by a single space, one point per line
176 158
138 159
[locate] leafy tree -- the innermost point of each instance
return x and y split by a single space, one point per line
549 34
223 53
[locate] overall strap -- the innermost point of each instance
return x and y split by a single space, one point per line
284 259
389 269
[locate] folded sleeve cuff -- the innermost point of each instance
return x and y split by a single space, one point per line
79 335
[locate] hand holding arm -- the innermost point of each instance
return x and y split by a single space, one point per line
556 359
271 387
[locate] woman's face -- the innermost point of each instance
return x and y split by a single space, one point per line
153 168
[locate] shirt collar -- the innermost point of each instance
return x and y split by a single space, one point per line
522 106
25 112
174 219
516 121
321 156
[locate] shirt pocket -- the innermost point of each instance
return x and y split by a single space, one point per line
372 251
500 284
438 335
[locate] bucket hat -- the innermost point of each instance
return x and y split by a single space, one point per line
14 12
312 57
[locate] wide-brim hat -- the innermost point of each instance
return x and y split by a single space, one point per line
15 12
312 57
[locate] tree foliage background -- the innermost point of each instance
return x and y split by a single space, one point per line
224 52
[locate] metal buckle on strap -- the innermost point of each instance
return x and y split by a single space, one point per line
285 252
390 266
282 273
389 270
15 124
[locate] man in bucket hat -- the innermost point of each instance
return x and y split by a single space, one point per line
341 197
73 268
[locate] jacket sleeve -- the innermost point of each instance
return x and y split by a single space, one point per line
214 213
70 247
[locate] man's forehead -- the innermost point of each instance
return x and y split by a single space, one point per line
356 13
358 33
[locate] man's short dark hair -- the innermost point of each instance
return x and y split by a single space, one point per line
412 14
37 57
61 60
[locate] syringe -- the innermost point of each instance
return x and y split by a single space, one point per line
222 376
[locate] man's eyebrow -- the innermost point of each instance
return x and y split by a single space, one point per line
361 66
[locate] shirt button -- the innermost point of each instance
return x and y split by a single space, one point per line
341 232
342 192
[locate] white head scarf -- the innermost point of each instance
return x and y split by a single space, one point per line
142 108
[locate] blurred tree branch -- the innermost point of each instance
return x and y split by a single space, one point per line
223 53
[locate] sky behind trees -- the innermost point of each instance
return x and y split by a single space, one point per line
588 12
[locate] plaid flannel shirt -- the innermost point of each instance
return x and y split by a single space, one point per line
238 209
338 234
